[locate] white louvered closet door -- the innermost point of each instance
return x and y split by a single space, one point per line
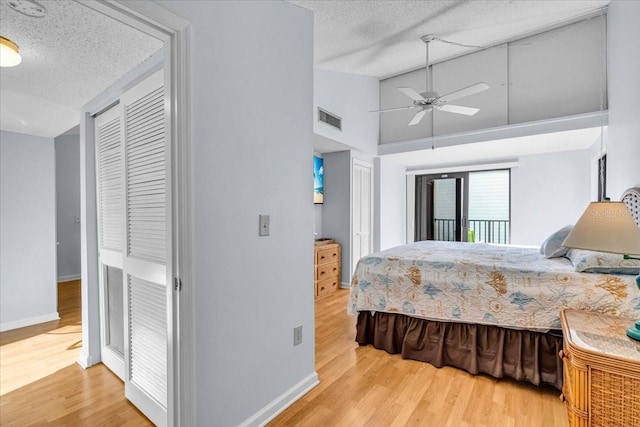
361 189
110 190
147 244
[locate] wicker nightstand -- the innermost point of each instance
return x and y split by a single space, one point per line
601 370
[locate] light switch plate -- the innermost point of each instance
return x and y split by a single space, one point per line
264 225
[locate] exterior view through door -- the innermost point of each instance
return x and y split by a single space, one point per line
134 239
463 207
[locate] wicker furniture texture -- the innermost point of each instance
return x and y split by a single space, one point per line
601 370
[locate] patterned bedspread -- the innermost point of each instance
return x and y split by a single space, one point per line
506 286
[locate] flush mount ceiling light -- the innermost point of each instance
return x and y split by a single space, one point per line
9 56
28 7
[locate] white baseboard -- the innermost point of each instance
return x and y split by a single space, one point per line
269 412
344 285
69 278
15 324
85 360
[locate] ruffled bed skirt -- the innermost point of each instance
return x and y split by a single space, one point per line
499 352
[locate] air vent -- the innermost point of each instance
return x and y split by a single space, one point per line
330 119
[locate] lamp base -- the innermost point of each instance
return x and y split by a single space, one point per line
634 331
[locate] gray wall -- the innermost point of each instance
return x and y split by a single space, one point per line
336 211
553 74
67 149
317 215
623 145
28 290
251 158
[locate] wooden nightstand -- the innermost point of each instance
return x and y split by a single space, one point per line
327 268
601 370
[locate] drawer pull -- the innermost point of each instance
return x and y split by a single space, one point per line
322 257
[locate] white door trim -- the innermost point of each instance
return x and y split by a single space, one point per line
361 163
174 31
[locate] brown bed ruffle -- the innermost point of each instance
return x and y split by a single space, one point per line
499 352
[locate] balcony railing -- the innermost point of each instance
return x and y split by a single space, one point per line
485 230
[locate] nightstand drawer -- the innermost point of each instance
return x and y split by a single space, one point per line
326 286
328 271
329 254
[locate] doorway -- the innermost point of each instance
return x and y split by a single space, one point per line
173 298
463 207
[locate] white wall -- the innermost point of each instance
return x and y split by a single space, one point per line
623 146
389 204
251 158
67 152
28 289
350 97
548 191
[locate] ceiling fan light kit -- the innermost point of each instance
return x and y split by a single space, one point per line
9 53
431 99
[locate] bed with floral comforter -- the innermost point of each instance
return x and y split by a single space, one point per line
507 286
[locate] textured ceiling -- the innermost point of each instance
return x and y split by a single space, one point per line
74 53
68 57
382 38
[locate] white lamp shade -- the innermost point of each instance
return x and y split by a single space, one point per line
9 56
605 227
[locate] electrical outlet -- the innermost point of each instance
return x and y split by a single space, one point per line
264 225
297 335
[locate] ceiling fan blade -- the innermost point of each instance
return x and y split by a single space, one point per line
394 109
459 109
411 93
419 115
467 91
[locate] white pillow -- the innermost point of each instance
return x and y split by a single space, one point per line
602 262
552 247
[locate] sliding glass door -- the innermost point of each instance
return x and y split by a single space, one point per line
440 207
466 206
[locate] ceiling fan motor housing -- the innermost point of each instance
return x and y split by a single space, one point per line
430 97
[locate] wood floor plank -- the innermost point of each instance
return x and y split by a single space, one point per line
363 386
42 385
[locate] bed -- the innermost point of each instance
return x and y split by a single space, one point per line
483 308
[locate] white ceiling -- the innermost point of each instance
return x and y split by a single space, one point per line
68 57
382 37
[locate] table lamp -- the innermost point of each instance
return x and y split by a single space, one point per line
608 227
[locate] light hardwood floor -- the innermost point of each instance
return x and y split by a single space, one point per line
362 386
41 383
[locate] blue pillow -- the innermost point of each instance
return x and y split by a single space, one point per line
552 247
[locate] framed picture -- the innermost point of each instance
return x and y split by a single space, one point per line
318 180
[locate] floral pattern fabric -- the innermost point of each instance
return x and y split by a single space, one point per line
507 286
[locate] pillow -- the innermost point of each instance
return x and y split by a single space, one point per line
602 262
552 247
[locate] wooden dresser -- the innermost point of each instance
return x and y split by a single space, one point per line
601 370
327 268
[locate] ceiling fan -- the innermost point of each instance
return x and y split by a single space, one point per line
430 100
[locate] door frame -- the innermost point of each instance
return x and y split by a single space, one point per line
174 31
462 200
